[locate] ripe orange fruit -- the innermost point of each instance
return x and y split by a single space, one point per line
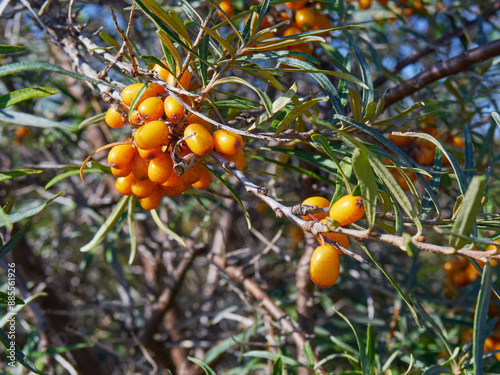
292 30
192 175
174 111
321 22
151 109
205 180
174 186
227 7
227 142
201 141
347 210
121 172
151 135
305 18
238 159
149 154
193 119
160 168
142 188
164 74
296 5
342 239
113 118
425 153
123 185
316 201
121 156
140 168
153 200
400 140
129 93
324 267
365 4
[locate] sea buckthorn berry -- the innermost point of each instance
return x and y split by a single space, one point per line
151 109
321 22
292 30
238 159
205 180
129 93
164 74
347 210
123 185
173 181
296 5
227 142
342 239
324 267
425 154
201 141
365 4
149 154
316 201
174 190
228 8
160 90
192 175
174 111
121 156
305 18
160 168
400 140
151 135
113 118
121 172
135 119
194 119
142 188
140 168
152 201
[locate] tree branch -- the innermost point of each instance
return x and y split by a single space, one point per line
443 69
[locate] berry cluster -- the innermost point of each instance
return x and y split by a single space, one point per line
324 266
165 135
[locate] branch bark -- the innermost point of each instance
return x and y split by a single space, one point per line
443 69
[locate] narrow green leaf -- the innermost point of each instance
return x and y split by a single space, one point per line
7 175
272 356
496 117
365 72
203 365
37 66
108 224
17 96
4 300
278 367
18 307
5 249
401 115
136 99
295 113
131 229
466 218
410 247
18 216
308 353
481 318
19 118
277 106
234 194
94 120
166 229
356 105
434 185
110 40
20 357
67 174
368 183
469 154
5 49
365 365
437 370
409 302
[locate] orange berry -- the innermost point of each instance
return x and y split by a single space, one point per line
113 118
160 168
227 7
173 181
160 90
123 185
172 189
316 201
238 159
305 18
342 239
194 119
121 172
321 22
174 111
400 140
164 74
151 201
142 188
151 135
140 168
129 93
292 30
121 156
151 109
135 119
205 180
347 210
324 267
227 142
192 175
149 154
425 154
296 5
201 141
365 4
